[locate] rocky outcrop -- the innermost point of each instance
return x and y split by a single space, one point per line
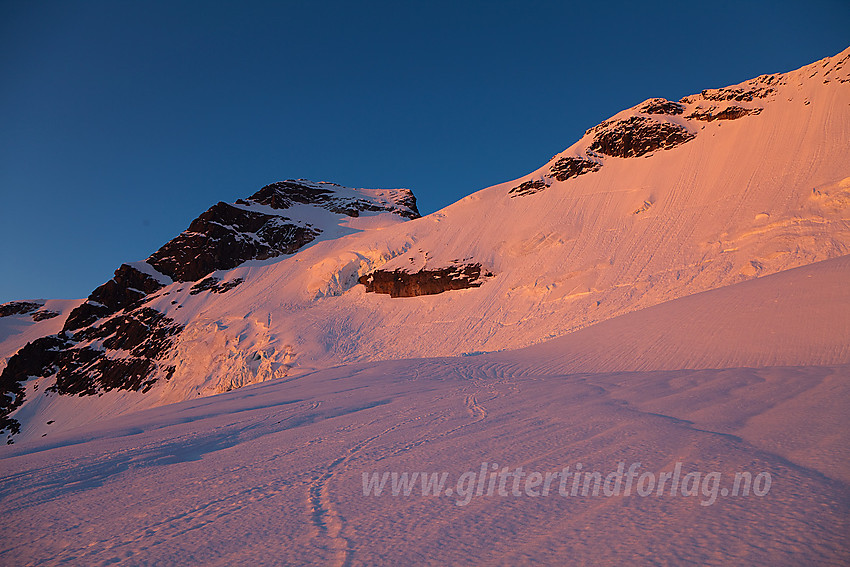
728 113
224 237
34 359
563 169
736 94
528 188
399 283
835 71
568 167
121 352
19 308
44 314
760 87
128 286
214 285
661 106
31 308
284 194
643 208
637 136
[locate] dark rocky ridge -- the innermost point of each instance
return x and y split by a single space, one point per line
34 359
126 287
398 283
637 136
661 106
568 167
19 308
728 113
226 236
528 188
283 194
214 285
140 337
44 314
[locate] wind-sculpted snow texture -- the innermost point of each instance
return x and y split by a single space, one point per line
662 200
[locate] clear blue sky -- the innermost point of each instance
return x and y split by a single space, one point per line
121 121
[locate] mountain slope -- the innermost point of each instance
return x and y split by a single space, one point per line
663 200
273 473
798 317
114 340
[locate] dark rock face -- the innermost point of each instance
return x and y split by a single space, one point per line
44 314
528 188
227 235
284 194
406 201
126 287
636 136
737 94
142 335
661 106
34 359
760 87
219 239
19 308
729 113
398 283
568 167
214 285
82 363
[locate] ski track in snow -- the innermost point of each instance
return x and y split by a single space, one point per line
326 518
329 523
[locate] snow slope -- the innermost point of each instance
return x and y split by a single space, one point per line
799 317
272 473
661 201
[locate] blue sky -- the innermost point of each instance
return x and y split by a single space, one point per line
120 122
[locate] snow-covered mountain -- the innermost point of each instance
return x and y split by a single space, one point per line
662 200
272 473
